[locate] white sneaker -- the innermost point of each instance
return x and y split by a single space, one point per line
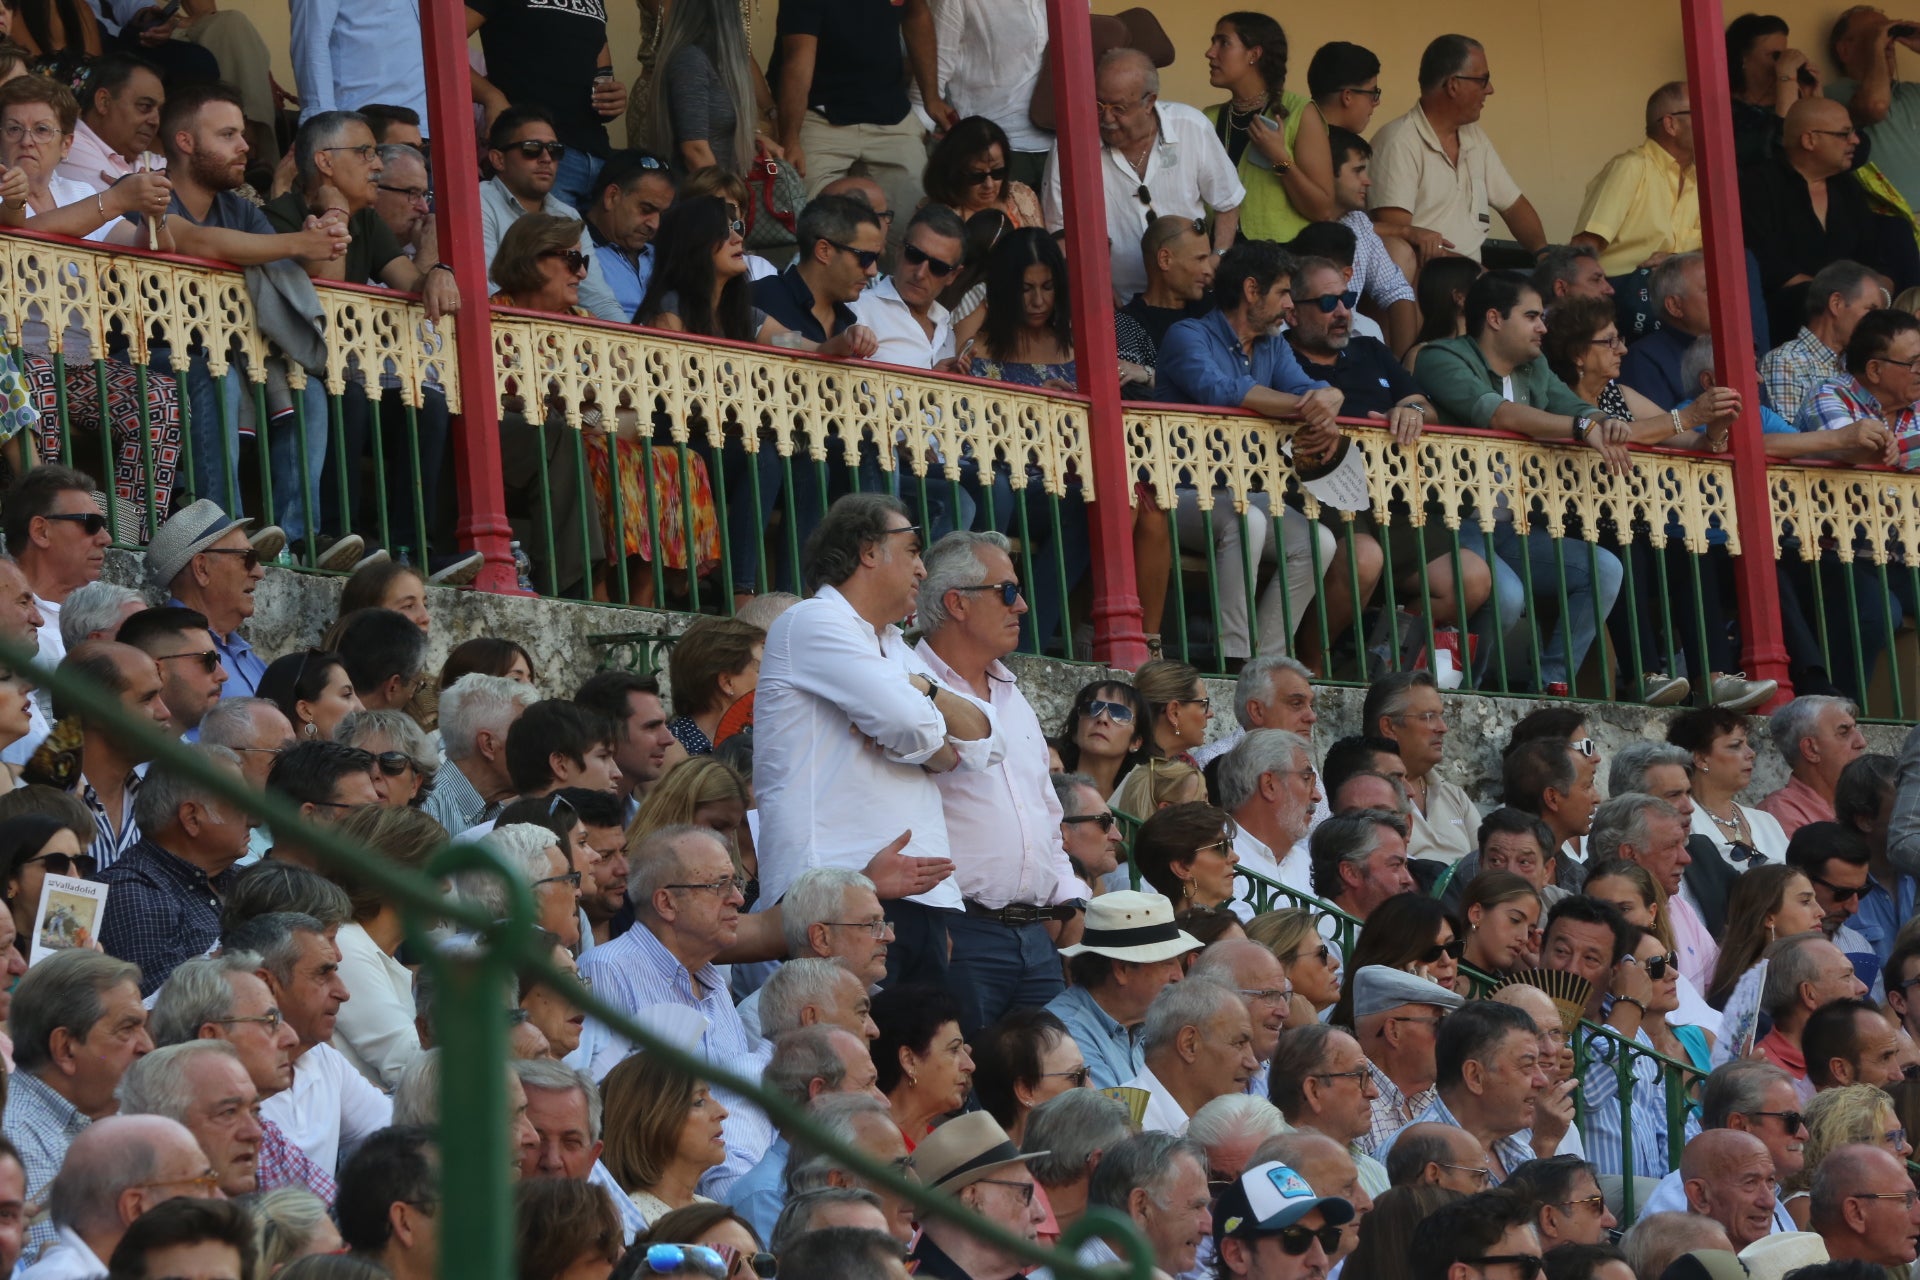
460 573
1737 693
1658 689
343 555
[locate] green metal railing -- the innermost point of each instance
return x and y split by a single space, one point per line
476 1236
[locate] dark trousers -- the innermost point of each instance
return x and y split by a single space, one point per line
997 967
404 488
920 943
559 569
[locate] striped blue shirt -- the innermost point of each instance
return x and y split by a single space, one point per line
1600 1109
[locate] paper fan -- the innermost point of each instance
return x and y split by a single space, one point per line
1568 991
1134 1100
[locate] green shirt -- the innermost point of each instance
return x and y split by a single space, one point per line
1464 388
1896 139
373 245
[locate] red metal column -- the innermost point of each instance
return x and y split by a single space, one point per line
1117 635
456 180
1765 653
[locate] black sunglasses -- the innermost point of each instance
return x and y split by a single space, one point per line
865 257
1455 949
209 658
533 149
981 177
1792 1121
1840 892
575 260
1329 302
249 557
90 522
1009 591
61 864
393 763
1296 1240
1106 822
1656 966
914 256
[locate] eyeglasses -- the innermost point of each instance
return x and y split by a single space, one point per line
905 528
1373 93
249 558
1896 1137
1107 822
61 864
1356 1076
1597 1203
1424 717
1024 1188
1296 1240
1115 108
1206 703
575 260
1910 1196
874 928
42 134
1455 949
913 256
393 763
1908 365
1614 343
1076 1077
666 1259
571 878
1117 712
1528 1265
1481 1172
363 152
1430 1022
1267 995
1224 843
723 886
1792 1121
209 658
1331 302
1840 892
270 1019
1837 133
90 522
1009 591
865 257
533 149
421 196
981 177
1484 82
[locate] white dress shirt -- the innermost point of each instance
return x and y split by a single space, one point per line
67 1258
1163 1113
375 1030
839 738
902 340
990 55
329 1108
1006 819
1188 173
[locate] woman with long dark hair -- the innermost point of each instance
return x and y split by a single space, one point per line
968 172
1408 931
704 110
1027 337
312 689
1277 140
1442 296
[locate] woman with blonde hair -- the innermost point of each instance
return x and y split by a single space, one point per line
1294 938
662 1131
1836 1117
1152 785
1178 707
701 791
289 1223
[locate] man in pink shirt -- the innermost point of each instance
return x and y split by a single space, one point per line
1647 830
119 119
1804 972
1817 736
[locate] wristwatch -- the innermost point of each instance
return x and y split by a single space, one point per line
1581 426
933 689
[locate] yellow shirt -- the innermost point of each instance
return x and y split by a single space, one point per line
1641 204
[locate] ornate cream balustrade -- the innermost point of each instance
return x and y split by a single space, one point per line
1866 515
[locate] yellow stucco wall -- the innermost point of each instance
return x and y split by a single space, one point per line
1570 79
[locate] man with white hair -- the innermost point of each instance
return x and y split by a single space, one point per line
686 900
1089 832
1198 1047
475 715
203 1085
1231 1128
164 907
1019 894
1269 786
563 1106
533 852
1818 736
1159 1181
1067 1136
1649 831
863 1123
1396 1020
93 612
114 1172
834 914
807 1063
814 992
1255 973
255 730
1273 691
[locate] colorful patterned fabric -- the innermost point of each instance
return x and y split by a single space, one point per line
123 407
669 494
17 413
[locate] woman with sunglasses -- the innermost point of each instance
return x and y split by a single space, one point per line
1277 140
376 1028
1722 767
312 689
32 847
1502 915
565 1230
968 173
1683 1042
1105 734
1313 968
717 1227
404 761
1178 706
1021 1061
1408 931
1836 1118
1185 852
1027 336
1771 901
663 1131
1631 889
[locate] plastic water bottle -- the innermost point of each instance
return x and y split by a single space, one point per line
523 568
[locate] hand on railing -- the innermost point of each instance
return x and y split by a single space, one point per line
1610 437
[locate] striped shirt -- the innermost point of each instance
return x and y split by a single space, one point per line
41 1125
636 972
1600 1114
109 844
1392 1110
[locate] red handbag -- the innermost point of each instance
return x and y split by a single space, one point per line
774 196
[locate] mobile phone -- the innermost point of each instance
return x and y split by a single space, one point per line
1806 77
1903 31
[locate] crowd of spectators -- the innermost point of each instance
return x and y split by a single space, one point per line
1331 1010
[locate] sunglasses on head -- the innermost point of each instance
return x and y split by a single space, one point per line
913 256
1118 712
1296 1240
533 149
90 522
1455 949
575 260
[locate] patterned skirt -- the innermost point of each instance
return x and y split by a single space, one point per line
672 494
123 412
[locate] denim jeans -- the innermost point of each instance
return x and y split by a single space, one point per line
574 180
997 967
295 503
1542 554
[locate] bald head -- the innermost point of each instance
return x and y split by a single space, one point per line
1819 137
119 1167
1861 1207
1441 1154
1533 1002
1709 1154
865 190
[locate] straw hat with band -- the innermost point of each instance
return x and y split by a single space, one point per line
1133 926
192 530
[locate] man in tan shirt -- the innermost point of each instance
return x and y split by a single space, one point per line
1404 707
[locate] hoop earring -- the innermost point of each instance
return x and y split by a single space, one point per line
312 730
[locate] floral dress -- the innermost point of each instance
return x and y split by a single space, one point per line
671 497
1022 374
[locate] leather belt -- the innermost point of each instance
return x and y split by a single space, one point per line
1014 915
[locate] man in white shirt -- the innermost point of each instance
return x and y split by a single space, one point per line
1019 892
990 53
1268 784
525 154
57 535
330 1107
118 1169
1159 160
903 309
119 119
1199 1046
849 723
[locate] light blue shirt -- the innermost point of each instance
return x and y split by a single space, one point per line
1202 362
1600 1120
762 1192
347 55
244 667
1882 912
1114 1055
624 276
